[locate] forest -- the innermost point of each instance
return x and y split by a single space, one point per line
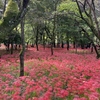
49 50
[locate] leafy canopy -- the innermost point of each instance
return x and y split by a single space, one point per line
10 13
8 18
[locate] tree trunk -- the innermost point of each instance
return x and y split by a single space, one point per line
76 47
51 48
22 50
62 44
67 41
37 39
82 44
68 44
37 46
91 48
74 43
12 47
97 53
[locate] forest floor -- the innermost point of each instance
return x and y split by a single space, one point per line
66 75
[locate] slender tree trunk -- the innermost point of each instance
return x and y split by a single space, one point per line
97 53
67 41
68 44
54 28
62 44
91 48
51 48
12 47
82 44
37 46
37 39
22 49
27 45
74 43
76 47
93 45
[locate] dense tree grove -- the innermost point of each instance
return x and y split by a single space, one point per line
53 22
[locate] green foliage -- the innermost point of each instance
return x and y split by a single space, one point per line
13 36
87 77
31 95
68 6
98 90
10 13
70 97
8 19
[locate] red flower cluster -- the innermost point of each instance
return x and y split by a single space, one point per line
62 76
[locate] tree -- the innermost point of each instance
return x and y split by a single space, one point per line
22 6
8 19
12 17
45 14
87 7
68 22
